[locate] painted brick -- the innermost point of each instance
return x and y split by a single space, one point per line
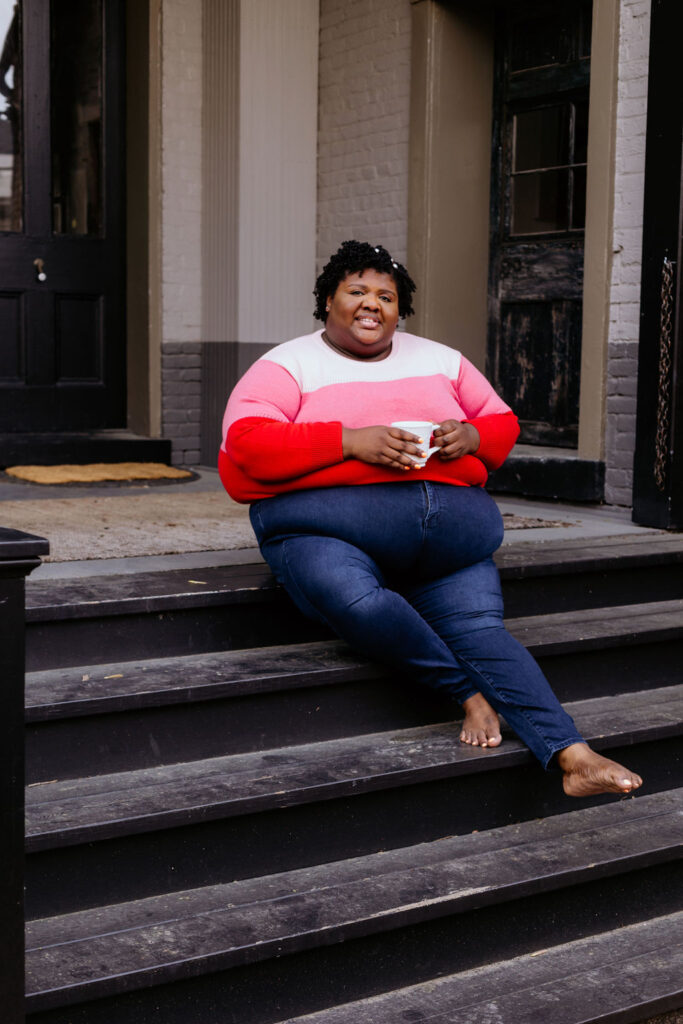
364 97
621 404
623 460
622 363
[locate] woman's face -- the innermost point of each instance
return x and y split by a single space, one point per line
363 314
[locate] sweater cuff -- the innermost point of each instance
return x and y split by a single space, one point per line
326 444
497 434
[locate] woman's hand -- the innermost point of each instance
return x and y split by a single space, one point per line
456 439
384 446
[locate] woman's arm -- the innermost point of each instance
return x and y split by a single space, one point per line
493 420
261 439
271 450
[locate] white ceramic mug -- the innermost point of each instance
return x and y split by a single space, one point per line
423 429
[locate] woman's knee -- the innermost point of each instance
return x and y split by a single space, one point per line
326 578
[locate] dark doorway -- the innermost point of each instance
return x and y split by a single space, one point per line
62 302
538 203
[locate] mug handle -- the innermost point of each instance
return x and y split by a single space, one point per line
433 448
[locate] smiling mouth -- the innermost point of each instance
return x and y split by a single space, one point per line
367 321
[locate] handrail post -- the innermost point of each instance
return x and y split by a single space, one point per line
19 555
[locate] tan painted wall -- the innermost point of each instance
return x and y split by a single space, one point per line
599 218
450 160
143 89
278 96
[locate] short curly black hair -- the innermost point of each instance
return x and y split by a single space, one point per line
352 258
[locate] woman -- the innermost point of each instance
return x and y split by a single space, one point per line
396 558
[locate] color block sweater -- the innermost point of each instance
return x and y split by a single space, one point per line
282 428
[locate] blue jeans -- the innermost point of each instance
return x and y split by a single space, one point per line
403 572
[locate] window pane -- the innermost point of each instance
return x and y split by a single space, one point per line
539 202
579 198
537 42
541 138
76 30
580 133
586 28
11 146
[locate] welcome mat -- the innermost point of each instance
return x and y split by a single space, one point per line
515 522
97 472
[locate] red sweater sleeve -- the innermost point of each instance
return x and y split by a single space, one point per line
270 450
497 433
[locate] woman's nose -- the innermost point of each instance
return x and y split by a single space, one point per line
371 302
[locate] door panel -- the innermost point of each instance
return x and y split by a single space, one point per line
78 332
12 332
538 199
539 356
64 271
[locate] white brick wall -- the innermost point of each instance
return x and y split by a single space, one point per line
634 38
364 96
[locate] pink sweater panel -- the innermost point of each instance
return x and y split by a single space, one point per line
304 381
306 391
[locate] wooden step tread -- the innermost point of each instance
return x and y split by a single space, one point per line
539 558
120 594
635 970
624 624
72 811
238 922
89 689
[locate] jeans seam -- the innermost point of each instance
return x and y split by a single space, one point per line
317 614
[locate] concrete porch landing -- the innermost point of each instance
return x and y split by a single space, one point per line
112 529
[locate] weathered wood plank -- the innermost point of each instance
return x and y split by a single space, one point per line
85 597
636 970
87 689
242 921
72 811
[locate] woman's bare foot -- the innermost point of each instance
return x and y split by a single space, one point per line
481 727
587 773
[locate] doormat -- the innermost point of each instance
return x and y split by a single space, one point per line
97 472
515 522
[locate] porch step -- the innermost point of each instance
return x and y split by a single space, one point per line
178 935
91 719
626 975
183 825
94 618
79 448
233 819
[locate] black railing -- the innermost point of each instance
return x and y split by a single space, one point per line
19 555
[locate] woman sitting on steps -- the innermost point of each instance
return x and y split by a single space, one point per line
394 556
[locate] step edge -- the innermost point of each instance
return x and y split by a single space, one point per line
80 707
284 945
512 755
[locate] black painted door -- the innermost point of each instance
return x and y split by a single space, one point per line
62 327
538 199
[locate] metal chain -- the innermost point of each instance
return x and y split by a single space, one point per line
664 389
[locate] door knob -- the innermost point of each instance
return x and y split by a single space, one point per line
40 272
